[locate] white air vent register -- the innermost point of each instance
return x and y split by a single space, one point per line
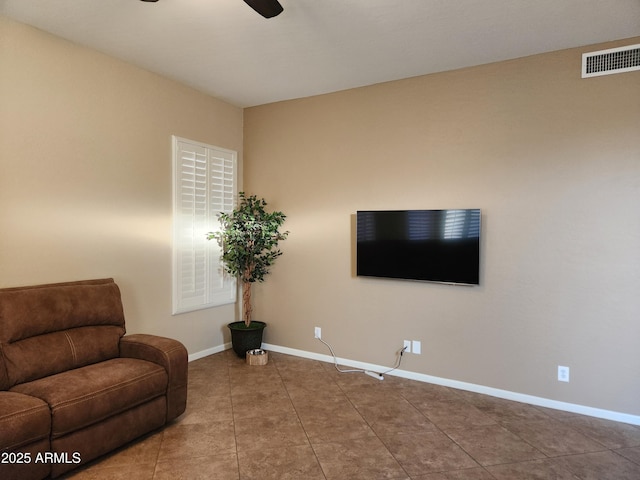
613 60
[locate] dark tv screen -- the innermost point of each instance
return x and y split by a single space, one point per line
428 245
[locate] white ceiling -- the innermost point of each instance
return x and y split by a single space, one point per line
224 48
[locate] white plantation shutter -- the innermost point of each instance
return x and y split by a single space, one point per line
204 185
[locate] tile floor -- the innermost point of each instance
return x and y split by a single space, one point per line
300 419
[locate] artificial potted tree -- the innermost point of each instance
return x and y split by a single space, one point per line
248 237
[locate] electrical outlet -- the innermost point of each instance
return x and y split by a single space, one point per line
563 374
317 332
407 346
416 347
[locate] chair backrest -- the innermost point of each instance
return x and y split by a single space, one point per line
48 329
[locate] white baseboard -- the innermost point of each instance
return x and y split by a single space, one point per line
445 382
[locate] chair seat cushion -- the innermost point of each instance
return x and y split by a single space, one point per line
78 398
23 420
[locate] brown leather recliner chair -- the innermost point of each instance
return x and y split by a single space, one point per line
72 385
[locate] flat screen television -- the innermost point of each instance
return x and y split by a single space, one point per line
428 245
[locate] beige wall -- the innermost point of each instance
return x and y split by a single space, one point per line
552 160
85 175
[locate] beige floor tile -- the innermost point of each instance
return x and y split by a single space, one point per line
466 474
284 463
213 467
554 438
454 414
202 408
317 394
632 454
493 444
611 434
358 459
534 470
100 472
329 424
502 410
422 394
394 417
428 452
265 402
600 466
197 440
255 433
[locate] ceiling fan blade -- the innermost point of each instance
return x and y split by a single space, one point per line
266 8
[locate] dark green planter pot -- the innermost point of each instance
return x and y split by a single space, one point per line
245 338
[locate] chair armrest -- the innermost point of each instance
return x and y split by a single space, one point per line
168 353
